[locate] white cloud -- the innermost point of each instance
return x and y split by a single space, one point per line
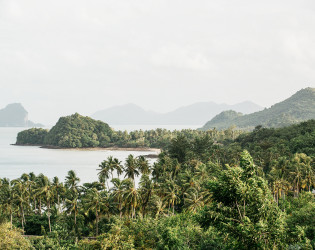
180 58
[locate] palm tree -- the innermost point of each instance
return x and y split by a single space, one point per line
202 172
104 171
7 198
20 196
309 178
156 171
193 200
102 181
118 166
47 191
109 205
25 180
93 201
189 180
143 165
58 190
119 188
32 188
159 206
73 194
171 195
299 163
176 168
131 168
278 175
147 187
115 164
39 182
131 197
72 182
72 207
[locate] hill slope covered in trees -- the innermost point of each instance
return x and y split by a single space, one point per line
299 107
73 131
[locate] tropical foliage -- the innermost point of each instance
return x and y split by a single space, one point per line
33 136
251 192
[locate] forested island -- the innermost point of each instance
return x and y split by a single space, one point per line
76 131
247 191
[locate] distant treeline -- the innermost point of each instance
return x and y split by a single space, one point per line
78 131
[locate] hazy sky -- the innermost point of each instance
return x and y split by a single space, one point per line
60 57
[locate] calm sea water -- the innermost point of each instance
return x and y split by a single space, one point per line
16 160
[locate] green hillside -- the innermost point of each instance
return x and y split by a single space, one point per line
78 131
73 131
299 107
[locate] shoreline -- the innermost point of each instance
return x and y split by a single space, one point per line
156 150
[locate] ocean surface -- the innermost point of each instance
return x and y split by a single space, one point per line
16 160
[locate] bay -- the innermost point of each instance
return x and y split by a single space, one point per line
16 160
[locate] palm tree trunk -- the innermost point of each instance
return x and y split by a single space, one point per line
40 206
11 215
75 224
49 217
23 216
131 212
49 223
274 196
244 208
96 223
120 209
35 205
58 204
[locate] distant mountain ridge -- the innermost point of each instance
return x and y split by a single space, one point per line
299 107
15 115
194 114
